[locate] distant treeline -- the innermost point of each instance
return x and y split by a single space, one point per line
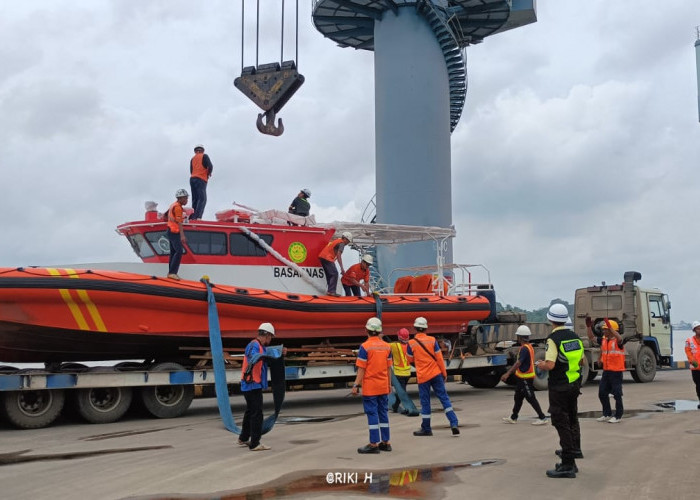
536 315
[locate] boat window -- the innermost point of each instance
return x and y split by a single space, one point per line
206 242
140 246
159 242
244 246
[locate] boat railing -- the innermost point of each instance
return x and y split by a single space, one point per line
455 279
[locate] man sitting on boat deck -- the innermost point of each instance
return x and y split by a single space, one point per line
176 234
357 277
334 251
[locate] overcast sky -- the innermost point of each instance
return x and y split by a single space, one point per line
576 158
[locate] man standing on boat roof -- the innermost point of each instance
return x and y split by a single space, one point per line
692 350
424 352
331 252
176 233
300 205
201 169
357 277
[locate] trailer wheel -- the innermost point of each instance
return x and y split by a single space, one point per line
645 370
541 380
102 405
485 380
167 401
33 409
592 374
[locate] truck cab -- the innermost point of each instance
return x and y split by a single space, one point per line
644 318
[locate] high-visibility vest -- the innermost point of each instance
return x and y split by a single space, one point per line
612 355
692 350
377 377
328 252
257 369
402 367
569 349
198 169
530 373
428 364
174 217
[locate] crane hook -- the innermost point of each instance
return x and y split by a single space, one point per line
269 126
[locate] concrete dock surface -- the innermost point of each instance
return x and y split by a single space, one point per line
652 453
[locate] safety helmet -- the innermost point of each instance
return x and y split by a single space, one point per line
613 324
307 192
558 313
181 193
695 325
420 322
403 334
267 328
523 331
374 325
347 235
368 259
198 146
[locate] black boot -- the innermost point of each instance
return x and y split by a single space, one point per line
577 453
562 471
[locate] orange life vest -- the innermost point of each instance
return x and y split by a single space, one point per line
612 356
692 350
355 272
428 364
530 373
256 373
328 252
377 380
198 169
175 217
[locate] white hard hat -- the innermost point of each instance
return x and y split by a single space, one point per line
267 327
558 313
420 322
695 325
199 146
523 331
181 193
347 235
374 325
368 259
307 192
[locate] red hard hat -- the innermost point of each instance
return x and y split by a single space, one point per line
403 334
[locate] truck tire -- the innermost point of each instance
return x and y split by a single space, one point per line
484 380
103 405
167 401
645 369
541 380
592 374
33 409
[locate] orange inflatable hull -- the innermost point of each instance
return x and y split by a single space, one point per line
52 315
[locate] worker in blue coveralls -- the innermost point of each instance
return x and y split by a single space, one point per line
253 381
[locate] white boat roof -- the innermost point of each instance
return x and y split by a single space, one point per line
390 234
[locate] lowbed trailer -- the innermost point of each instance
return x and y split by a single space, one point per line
35 398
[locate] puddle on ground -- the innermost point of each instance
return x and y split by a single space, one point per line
426 481
678 405
304 441
627 414
20 457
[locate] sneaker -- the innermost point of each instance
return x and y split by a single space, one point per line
455 430
243 443
508 420
577 454
541 421
384 446
261 447
422 432
174 277
604 418
615 420
368 448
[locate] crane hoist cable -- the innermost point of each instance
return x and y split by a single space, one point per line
269 85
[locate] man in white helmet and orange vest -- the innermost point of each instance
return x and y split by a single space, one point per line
176 233
331 252
524 369
612 357
201 169
692 350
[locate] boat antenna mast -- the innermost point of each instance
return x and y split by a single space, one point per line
269 85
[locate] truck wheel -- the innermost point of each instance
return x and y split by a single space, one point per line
33 409
645 369
585 371
485 380
541 380
592 374
102 405
167 401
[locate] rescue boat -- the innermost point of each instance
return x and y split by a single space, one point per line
264 266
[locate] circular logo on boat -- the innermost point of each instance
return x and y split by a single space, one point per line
297 252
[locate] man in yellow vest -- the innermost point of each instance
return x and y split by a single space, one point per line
612 357
692 350
524 369
201 169
402 368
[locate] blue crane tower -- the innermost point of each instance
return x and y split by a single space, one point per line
420 78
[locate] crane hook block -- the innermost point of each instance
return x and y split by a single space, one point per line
270 86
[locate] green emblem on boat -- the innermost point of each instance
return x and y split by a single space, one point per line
297 252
